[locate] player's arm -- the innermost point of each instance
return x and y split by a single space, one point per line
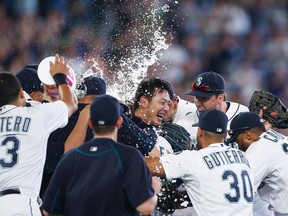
155 166
59 71
78 134
47 214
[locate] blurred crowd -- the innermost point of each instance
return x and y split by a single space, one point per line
246 41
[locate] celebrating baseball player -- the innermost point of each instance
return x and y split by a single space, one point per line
218 178
23 141
266 150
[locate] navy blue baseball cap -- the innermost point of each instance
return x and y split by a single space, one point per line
213 120
242 122
95 85
29 79
105 110
207 84
171 91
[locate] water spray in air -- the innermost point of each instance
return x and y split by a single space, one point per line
146 51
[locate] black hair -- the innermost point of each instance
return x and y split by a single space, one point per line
147 87
9 88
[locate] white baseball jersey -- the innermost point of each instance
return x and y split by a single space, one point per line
217 178
268 158
188 115
24 132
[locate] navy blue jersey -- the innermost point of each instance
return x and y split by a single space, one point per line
55 147
134 133
100 177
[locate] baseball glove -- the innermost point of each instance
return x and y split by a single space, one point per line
274 110
176 135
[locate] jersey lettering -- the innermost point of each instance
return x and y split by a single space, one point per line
235 195
11 143
14 124
285 147
216 159
272 136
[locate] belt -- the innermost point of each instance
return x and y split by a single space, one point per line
9 191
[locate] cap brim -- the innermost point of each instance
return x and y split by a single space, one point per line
200 94
233 138
196 124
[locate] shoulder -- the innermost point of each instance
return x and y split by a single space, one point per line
234 109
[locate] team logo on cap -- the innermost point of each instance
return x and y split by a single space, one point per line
199 81
219 130
101 122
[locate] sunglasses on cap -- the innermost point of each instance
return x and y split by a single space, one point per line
204 88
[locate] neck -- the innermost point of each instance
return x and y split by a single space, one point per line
88 99
139 113
223 107
112 136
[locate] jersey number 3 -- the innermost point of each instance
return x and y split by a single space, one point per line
234 185
11 153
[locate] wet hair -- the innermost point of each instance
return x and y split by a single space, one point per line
147 87
9 88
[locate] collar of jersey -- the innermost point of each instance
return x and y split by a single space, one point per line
6 108
217 145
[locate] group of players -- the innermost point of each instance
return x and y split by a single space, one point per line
184 143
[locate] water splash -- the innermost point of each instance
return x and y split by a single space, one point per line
146 51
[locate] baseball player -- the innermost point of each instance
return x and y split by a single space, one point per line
24 132
102 176
267 155
218 178
209 93
89 88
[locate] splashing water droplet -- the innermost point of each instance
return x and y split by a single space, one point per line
165 8
146 51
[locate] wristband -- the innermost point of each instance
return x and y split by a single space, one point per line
60 79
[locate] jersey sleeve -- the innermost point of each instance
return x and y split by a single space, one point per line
138 180
178 165
55 115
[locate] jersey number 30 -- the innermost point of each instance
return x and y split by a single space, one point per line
11 153
234 185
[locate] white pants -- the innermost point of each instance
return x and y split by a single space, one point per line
18 205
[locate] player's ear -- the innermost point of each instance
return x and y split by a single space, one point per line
21 94
144 102
119 122
90 123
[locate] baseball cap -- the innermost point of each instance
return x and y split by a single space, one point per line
207 84
171 91
242 122
95 85
105 110
212 120
29 79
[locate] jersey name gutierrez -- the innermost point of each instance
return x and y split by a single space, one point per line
220 158
14 124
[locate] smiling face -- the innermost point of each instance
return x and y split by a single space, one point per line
154 110
212 102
